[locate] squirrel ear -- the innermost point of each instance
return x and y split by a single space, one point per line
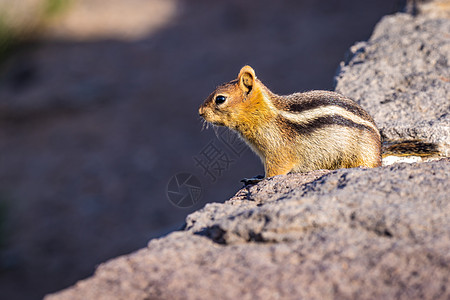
246 79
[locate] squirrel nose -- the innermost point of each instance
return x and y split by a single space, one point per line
201 111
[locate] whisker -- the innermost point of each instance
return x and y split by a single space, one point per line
205 125
216 130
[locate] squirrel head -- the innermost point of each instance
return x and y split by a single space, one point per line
231 102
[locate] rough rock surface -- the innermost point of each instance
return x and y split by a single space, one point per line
351 233
402 77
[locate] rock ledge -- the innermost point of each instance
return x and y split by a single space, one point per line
350 233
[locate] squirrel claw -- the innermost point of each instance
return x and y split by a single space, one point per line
253 180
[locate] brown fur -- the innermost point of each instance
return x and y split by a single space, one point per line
337 133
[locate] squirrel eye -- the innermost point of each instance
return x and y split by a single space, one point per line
220 99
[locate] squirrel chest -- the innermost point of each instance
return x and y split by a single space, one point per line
295 133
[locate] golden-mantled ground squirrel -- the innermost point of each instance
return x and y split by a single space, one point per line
295 133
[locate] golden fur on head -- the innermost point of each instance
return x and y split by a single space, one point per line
243 106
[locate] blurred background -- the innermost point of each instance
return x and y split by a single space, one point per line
98 111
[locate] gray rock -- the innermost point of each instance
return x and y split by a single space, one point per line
352 233
402 77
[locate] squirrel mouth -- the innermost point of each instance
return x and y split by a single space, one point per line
217 123
214 122
207 118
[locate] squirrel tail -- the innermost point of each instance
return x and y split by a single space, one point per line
409 148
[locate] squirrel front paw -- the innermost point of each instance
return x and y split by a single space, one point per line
253 180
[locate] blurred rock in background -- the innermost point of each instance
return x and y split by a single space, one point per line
98 111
